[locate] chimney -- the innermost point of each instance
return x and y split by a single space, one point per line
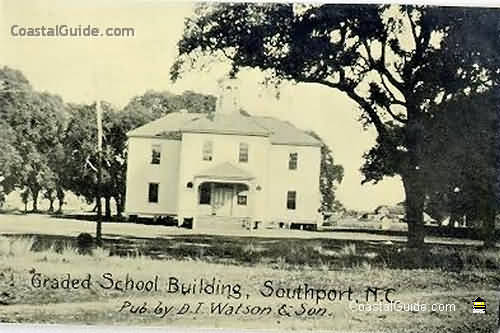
228 100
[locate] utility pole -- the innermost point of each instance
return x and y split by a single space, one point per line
98 233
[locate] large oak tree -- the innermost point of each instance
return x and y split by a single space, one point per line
390 60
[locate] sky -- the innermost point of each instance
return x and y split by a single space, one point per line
82 70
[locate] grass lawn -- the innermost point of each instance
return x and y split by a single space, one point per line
447 273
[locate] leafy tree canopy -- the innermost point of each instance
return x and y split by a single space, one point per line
395 62
33 123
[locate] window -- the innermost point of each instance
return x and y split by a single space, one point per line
242 199
155 154
153 192
291 199
292 161
243 156
207 151
205 194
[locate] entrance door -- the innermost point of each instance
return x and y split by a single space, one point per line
223 199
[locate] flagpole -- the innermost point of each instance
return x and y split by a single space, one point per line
99 174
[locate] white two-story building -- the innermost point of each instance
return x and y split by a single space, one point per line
201 167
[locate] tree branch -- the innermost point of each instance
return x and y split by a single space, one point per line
395 116
393 101
367 107
421 44
398 84
382 70
320 81
369 54
413 29
349 90
226 55
380 67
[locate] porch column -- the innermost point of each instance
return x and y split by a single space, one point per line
252 193
212 198
196 197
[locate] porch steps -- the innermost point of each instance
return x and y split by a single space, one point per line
220 222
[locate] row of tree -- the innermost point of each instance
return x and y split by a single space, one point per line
49 148
407 67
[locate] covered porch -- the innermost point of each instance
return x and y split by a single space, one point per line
224 194
217 198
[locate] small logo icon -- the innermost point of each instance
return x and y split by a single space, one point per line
479 305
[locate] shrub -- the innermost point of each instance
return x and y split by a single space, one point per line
85 243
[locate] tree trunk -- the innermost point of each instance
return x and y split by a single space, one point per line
107 203
414 212
61 204
413 180
119 205
60 198
98 230
51 205
34 194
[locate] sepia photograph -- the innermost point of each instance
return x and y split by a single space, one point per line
286 166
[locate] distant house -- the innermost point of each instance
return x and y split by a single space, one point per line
384 212
199 168
397 209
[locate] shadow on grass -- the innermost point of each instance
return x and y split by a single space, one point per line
87 217
433 231
286 253
92 217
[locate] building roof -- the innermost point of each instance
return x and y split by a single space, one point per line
279 132
225 170
226 124
284 133
173 122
